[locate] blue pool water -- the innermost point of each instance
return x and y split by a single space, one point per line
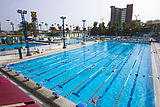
7 47
97 71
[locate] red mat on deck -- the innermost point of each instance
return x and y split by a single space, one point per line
11 94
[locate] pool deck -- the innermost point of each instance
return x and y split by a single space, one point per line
42 93
155 54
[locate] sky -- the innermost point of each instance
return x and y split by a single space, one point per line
50 11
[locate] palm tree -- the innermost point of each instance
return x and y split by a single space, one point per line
52 28
8 23
40 26
70 27
12 25
46 26
77 28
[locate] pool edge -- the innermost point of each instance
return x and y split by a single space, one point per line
155 71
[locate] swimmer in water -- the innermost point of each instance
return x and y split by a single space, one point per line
95 100
115 55
91 67
114 67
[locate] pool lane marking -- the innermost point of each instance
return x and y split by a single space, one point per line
50 60
123 87
128 79
57 67
49 56
101 96
54 61
84 81
52 56
71 76
52 69
134 85
108 78
99 88
92 80
77 65
78 73
74 66
65 64
96 72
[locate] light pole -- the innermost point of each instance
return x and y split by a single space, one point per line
83 30
24 29
136 16
62 17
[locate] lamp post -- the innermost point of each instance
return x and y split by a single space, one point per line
24 29
83 30
62 17
136 16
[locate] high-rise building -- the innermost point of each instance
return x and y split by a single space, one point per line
115 15
129 12
120 15
123 16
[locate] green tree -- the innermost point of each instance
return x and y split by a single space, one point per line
28 26
77 29
46 24
67 29
93 30
52 28
40 25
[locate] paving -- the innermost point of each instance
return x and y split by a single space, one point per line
155 54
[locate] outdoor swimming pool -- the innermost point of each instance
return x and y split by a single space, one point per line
8 47
117 73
